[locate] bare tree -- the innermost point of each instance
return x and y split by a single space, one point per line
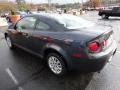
21 4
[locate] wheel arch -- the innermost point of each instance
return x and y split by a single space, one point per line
5 35
60 52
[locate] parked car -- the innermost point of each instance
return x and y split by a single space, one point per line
21 13
105 14
33 12
90 9
3 22
100 8
66 42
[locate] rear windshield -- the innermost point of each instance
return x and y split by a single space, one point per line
73 22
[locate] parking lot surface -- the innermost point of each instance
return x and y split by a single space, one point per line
20 70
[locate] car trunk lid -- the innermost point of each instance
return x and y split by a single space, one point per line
103 36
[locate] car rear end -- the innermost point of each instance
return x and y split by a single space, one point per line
94 54
88 46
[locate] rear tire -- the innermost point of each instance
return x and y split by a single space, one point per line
104 16
9 42
56 64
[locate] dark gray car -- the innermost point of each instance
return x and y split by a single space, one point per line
66 42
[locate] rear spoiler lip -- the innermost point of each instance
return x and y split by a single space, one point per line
107 32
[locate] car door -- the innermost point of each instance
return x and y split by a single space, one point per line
119 12
25 28
41 36
115 11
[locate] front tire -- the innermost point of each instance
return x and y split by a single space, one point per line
56 64
9 42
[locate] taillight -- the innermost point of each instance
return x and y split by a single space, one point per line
93 46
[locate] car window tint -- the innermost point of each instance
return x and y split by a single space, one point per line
42 26
119 9
26 23
115 8
73 22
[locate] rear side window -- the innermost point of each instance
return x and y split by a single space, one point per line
26 23
42 26
119 9
73 22
115 8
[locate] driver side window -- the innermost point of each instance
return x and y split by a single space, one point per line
27 23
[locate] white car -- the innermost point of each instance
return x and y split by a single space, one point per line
3 22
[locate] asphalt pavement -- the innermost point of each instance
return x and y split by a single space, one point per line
20 70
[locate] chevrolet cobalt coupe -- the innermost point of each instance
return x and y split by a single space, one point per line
65 42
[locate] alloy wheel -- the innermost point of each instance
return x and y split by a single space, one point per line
55 64
9 43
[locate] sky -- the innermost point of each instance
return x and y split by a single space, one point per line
53 1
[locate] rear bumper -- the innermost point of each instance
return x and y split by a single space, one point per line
95 62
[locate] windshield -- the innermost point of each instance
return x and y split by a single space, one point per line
74 22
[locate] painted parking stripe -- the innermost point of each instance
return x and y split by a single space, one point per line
13 78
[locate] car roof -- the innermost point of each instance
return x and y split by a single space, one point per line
50 15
